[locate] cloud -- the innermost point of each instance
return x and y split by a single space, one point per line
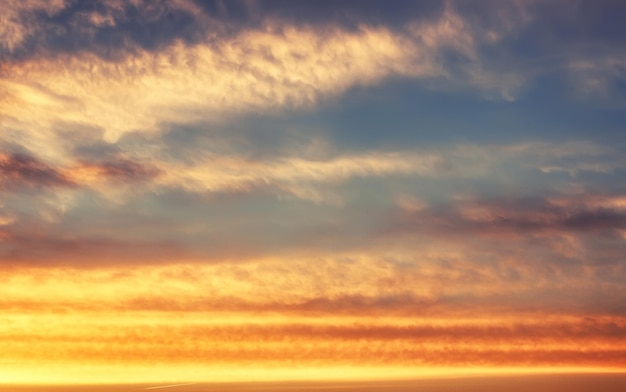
430 280
211 338
257 70
20 172
537 214
261 68
599 78
15 26
113 170
223 172
107 28
348 311
24 171
291 172
36 246
212 161
146 197
113 28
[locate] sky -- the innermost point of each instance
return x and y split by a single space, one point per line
277 190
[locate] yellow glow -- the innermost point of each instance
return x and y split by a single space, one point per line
189 322
50 375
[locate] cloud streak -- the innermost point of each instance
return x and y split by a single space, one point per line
23 171
528 215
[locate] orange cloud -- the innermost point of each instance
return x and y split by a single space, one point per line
176 319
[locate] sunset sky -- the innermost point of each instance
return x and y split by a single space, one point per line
284 190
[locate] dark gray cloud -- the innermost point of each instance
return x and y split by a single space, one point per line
518 215
96 150
516 238
113 29
26 244
347 13
109 29
18 171
123 170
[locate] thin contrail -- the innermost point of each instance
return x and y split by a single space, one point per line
170 386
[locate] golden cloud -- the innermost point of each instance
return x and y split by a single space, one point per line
266 69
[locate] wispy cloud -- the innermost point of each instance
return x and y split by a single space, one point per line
598 78
23 171
260 69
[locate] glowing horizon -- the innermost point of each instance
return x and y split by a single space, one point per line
240 375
